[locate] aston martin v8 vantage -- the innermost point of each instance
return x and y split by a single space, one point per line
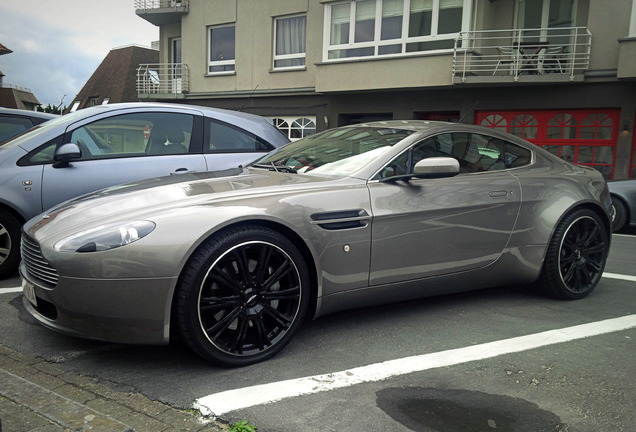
233 261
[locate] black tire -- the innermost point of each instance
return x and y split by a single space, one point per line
9 244
576 256
620 219
242 296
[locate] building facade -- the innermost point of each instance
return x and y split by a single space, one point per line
559 73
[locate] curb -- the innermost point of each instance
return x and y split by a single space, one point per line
37 396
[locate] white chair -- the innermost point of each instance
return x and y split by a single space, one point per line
506 56
553 59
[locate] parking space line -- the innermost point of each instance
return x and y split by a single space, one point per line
232 400
619 276
10 290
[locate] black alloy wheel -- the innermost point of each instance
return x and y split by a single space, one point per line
242 296
576 256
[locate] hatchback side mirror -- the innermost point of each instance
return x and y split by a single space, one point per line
65 154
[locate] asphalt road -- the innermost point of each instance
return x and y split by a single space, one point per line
500 359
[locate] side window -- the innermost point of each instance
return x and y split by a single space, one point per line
12 126
137 134
44 154
516 156
225 139
474 152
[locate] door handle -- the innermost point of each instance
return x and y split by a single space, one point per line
181 171
497 194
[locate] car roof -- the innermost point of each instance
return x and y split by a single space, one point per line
27 113
163 105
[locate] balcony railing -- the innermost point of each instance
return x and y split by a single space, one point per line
544 54
162 80
156 4
160 12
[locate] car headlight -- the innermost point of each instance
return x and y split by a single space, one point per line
105 237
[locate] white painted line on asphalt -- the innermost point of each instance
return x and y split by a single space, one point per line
232 400
10 290
620 276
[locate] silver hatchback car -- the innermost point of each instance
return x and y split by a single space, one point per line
110 144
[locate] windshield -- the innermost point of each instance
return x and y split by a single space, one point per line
41 128
339 152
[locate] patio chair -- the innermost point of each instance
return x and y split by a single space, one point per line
506 56
554 59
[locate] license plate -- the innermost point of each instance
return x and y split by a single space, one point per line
28 289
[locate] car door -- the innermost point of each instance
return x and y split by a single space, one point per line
429 227
124 148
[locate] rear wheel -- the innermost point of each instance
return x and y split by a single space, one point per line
9 244
576 256
242 296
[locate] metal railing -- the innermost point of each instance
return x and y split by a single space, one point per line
15 87
163 78
156 4
563 53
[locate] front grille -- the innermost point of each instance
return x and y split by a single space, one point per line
35 263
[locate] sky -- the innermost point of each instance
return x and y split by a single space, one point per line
58 44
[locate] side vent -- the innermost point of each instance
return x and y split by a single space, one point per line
339 220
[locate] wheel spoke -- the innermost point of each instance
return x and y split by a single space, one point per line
292 293
278 275
242 264
221 277
261 332
281 318
241 333
214 303
592 236
262 265
220 326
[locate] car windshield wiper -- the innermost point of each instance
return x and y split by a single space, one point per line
279 168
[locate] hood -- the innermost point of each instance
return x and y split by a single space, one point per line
148 197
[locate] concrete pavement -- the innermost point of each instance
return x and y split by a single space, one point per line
35 396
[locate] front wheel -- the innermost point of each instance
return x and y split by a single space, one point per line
242 296
576 256
9 244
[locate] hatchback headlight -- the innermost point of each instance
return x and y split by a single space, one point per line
105 237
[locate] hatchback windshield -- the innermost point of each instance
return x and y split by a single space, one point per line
339 152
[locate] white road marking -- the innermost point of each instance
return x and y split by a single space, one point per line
10 290
619 276
232 400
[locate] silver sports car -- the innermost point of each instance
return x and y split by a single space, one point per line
232 262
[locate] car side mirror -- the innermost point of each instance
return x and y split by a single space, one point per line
65 154
434 167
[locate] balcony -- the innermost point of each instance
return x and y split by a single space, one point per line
522 55
163 81
160 12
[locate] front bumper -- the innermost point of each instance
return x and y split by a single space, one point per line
135 311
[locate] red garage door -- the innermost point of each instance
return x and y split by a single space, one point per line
586 137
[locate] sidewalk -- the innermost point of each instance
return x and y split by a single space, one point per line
35 396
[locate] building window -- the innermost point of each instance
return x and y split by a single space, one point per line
580 136
365 28
289 44
222 49
296 127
